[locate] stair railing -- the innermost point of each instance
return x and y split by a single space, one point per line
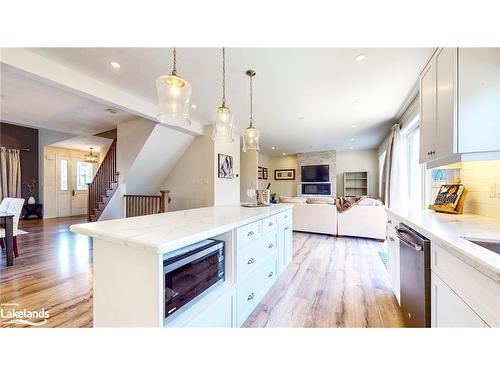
102 184
140 205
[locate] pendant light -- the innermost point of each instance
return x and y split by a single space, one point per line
223 117
251 136
91 157
174 95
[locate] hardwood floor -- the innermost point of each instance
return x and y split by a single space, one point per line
331 282
53 272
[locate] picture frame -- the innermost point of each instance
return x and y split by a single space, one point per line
264 173
260 173
225 166
284 174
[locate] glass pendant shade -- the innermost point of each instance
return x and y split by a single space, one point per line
223 125
174 97
251 139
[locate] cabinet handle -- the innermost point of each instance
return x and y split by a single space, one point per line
391 238
287 228
271 274
286 216
251 261
270 246
250 296
251 233
389 221
270 224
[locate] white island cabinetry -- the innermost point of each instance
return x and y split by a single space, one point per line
128 264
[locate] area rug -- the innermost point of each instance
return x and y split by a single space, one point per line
383 257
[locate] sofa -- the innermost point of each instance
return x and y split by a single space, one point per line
360 220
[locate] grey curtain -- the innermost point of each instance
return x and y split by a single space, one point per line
10 173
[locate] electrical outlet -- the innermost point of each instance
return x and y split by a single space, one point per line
493 191
497 189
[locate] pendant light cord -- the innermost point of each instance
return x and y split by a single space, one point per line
251 102
174 70
223 77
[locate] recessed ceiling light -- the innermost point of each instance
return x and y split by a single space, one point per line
354 126
273 148
360 57
194 106
353 139
115 65
300 118
355 103
350 148
112 110
283 154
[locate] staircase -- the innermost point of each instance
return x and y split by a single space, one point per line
103 186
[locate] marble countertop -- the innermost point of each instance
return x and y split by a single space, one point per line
447 231
169 231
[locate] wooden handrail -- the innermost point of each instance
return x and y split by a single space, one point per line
140 205
103 184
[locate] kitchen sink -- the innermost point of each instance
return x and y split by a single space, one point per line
487 244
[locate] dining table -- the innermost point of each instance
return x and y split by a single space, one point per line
7 219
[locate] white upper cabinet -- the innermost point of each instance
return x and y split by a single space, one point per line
460 104
479 99
427 112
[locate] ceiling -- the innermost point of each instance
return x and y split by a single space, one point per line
305 99
83 143
27 101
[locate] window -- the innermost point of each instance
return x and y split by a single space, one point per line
381 161
415 170
64 175
83 175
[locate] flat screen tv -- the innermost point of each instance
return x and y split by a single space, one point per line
315 173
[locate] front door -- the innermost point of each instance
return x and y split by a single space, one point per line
73 174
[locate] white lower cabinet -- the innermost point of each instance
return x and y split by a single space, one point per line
219 314
284 247
448 309
393 268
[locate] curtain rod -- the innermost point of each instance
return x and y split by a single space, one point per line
21 149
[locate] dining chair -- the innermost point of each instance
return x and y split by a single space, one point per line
4 205
15 207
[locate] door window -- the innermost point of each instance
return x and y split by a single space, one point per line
83 175
64 175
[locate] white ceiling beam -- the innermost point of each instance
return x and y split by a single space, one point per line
47 71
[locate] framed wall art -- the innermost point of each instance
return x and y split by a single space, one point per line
225 166
284 174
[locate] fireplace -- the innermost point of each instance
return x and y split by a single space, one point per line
316 189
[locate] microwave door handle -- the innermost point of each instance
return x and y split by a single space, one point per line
406 241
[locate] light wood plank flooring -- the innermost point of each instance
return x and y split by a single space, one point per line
331 282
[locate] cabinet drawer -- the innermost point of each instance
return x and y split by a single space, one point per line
269 223
251 255
285 218
248 233
254 286
475 289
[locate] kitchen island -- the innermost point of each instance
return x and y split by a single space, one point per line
129 254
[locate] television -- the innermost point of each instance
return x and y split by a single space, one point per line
315 173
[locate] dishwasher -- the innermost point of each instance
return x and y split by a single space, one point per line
415 277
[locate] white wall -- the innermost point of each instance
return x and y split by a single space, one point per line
248 174
358 161
264 161
227 190
191 181
283 188
46 137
